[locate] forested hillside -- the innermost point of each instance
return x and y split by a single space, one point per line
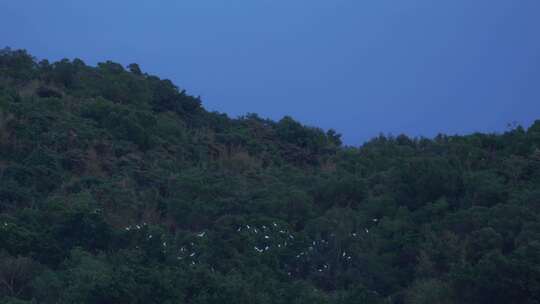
118 187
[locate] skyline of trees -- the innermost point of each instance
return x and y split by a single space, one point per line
119 187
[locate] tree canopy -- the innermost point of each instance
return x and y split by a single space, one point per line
118 187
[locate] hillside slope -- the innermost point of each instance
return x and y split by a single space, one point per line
117 187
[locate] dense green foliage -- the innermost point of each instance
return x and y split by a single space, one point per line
117 187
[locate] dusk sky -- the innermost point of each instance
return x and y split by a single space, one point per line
362 67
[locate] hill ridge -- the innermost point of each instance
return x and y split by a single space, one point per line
118 187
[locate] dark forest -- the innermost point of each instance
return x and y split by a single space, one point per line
119 187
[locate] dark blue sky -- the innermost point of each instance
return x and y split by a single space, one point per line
362 67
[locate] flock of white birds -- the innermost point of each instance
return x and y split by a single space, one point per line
265 239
